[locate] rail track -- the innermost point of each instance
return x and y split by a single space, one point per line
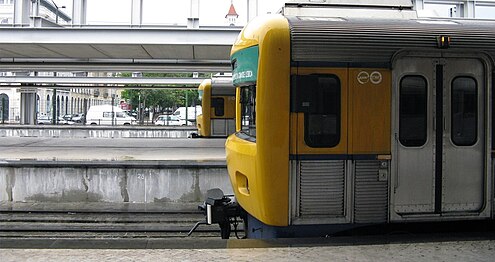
114 224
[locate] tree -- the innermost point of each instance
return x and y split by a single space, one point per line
161 98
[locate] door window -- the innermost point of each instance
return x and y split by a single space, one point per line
413 111
464 111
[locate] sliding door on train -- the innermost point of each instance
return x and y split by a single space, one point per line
439 127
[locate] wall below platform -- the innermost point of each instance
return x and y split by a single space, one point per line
96 131
113 184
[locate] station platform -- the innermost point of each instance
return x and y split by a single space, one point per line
84 150
451 247
77 172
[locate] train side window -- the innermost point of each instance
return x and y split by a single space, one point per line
464 121
319 97
248 111
218 104
413 111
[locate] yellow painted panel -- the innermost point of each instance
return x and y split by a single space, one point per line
369 111
230 107
200 125
272 122
203 120
246 185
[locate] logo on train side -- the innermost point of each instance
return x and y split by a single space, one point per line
376 77
364 77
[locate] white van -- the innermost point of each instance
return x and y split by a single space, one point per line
169 120
103 115
192 113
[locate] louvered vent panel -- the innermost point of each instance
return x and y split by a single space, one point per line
322 188
372 40
371 195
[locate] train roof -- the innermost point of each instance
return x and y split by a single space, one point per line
376 41
386 9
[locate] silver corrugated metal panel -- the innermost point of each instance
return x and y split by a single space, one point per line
377 40
322 188
386 9
386 3
222 81
222 86
371 195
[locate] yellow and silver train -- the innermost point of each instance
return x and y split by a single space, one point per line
343 122
218 103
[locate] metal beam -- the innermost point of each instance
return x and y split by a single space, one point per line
136 12
70 65
79 8
171 49
137 81
28 89
21 12
121 36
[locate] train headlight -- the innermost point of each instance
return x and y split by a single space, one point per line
443 41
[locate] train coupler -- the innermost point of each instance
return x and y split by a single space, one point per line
220 209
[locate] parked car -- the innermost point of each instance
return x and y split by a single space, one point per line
44 120
78 118
63 121
169 120
47 120
131 113
67 117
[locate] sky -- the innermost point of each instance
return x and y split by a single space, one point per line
169 12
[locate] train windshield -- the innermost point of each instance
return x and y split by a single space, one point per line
248 110
244 75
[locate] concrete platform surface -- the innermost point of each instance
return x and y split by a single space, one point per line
111 149
374 248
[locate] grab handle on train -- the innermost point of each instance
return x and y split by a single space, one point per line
396 180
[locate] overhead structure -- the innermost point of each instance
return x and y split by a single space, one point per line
96 82
116 49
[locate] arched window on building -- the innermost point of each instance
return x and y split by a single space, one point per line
38 105
62 105
58 107
48 107
66 103
4 107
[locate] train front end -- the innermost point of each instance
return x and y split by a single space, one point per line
258 153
